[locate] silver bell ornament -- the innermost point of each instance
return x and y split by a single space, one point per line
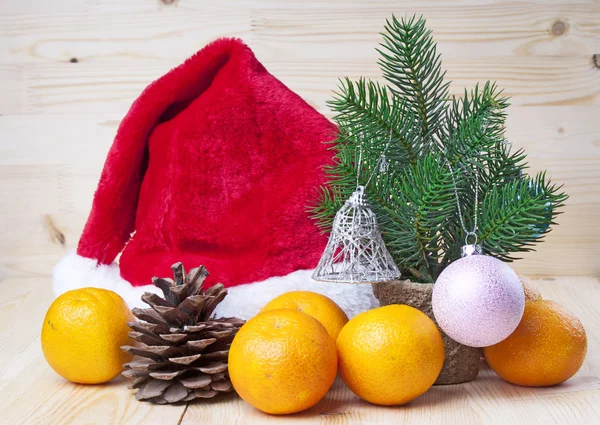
478 300
355 252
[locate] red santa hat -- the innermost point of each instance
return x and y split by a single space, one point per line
214 164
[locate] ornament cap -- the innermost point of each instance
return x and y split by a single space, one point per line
358 198
470 249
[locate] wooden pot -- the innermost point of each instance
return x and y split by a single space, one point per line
461 363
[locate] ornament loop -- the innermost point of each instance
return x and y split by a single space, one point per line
358 198
473 235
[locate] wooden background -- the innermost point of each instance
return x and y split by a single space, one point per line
69 69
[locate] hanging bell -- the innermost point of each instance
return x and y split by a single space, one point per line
356 252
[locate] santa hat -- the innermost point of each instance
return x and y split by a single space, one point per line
215 165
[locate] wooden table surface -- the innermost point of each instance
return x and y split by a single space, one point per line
31 393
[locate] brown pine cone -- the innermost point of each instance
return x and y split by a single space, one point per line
182 351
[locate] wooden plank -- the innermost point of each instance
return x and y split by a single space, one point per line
78 88
487 400
30 391
474 31
170 33
567 146
75 88
60 181
12 87
344 30
103 6
41 7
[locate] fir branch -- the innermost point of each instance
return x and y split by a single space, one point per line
420 209
475 124
518 214
368 106
410 63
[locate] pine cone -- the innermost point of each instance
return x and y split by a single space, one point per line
183 349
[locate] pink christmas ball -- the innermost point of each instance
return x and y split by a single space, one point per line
478 300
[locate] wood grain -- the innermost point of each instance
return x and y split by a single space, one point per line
58 117
31 393
83 87
473 30
350 29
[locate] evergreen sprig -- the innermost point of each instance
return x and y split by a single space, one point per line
410 63
436 145
511 214
416 210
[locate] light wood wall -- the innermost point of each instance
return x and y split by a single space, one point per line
69 69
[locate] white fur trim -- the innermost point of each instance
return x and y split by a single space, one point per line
243 301
74 271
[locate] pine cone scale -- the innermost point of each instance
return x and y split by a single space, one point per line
152 389
205 393
197 381
187 360
217 355
175 393
145 338
172 314
201 343
196 278
172 337
137 382
144 365
222 334
148 328
149 315
166 376
195 328
222 386
213 368
138 352
165 286
154 300
133 374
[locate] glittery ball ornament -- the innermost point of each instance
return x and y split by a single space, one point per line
478 300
